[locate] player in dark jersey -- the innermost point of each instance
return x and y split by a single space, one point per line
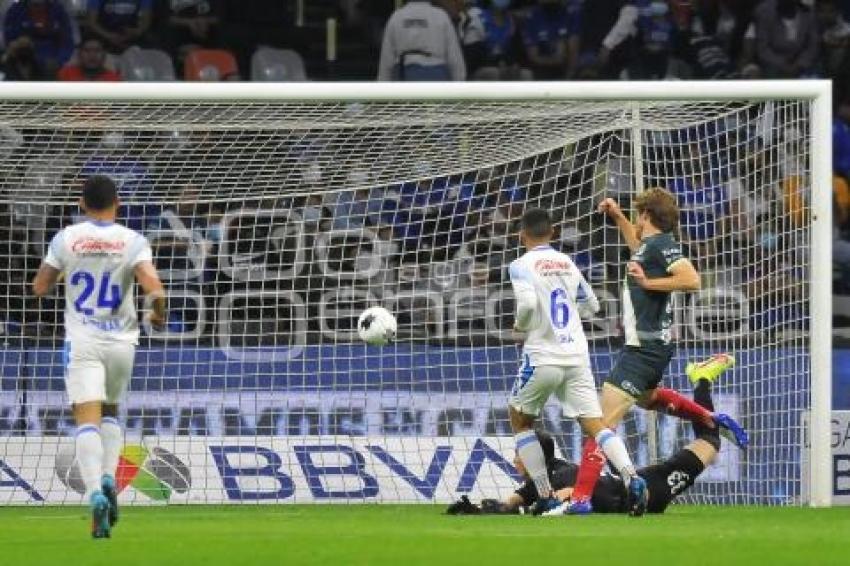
665 481
657 268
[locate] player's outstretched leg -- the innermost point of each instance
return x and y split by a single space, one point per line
710 370
674 403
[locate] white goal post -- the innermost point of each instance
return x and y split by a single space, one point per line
648 109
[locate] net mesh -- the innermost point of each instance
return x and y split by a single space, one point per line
274 225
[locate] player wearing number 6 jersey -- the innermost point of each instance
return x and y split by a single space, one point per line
551 296
99 261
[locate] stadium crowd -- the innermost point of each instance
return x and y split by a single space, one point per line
471 217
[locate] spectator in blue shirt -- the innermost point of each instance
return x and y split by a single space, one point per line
119 23
545 34
503 47
47 24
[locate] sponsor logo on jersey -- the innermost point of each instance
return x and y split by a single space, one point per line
155 472
551 267
97 246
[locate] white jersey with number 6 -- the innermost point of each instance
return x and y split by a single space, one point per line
552 296
98 260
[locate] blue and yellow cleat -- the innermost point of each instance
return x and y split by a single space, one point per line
731 430
107 484
710 369
638 496
100 515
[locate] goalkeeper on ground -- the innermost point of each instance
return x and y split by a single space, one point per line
665 481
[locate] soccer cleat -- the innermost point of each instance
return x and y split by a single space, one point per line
731 430
111 494
100 515
545 505
580 507
710 369
638 496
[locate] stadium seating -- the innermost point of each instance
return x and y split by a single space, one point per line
268 64
137 64
210 65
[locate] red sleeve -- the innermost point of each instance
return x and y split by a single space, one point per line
109 75
68 73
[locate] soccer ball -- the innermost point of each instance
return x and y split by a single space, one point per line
376 326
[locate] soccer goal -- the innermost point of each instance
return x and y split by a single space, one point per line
277 213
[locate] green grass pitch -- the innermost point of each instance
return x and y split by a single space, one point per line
408 535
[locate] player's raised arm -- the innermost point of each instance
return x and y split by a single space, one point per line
610 207
151 285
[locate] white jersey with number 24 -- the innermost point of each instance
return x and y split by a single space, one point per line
98 260
552 296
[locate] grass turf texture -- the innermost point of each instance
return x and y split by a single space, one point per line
407 535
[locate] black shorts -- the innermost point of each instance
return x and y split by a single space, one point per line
640 369
670 478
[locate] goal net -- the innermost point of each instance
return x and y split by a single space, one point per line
275 223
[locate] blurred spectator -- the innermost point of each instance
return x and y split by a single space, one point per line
597 17
545 34
20 63
649 26
48 24
91 64
245 25
834 37
189 23
420 44
786 38
841 136
119 23
702 53
502 45
470 31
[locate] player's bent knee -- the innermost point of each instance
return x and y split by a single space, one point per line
88 412
591 426
520 421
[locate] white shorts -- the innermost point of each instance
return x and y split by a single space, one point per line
572 385
97 371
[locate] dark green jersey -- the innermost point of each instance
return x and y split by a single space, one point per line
648 315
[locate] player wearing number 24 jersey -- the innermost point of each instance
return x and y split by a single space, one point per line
100 262
551 296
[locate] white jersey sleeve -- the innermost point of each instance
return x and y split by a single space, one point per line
98 260
551 297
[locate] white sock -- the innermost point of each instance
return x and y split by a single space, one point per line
614 449
90 457
113 439
531 454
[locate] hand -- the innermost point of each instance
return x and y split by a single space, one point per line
157 321
610 207
635 270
